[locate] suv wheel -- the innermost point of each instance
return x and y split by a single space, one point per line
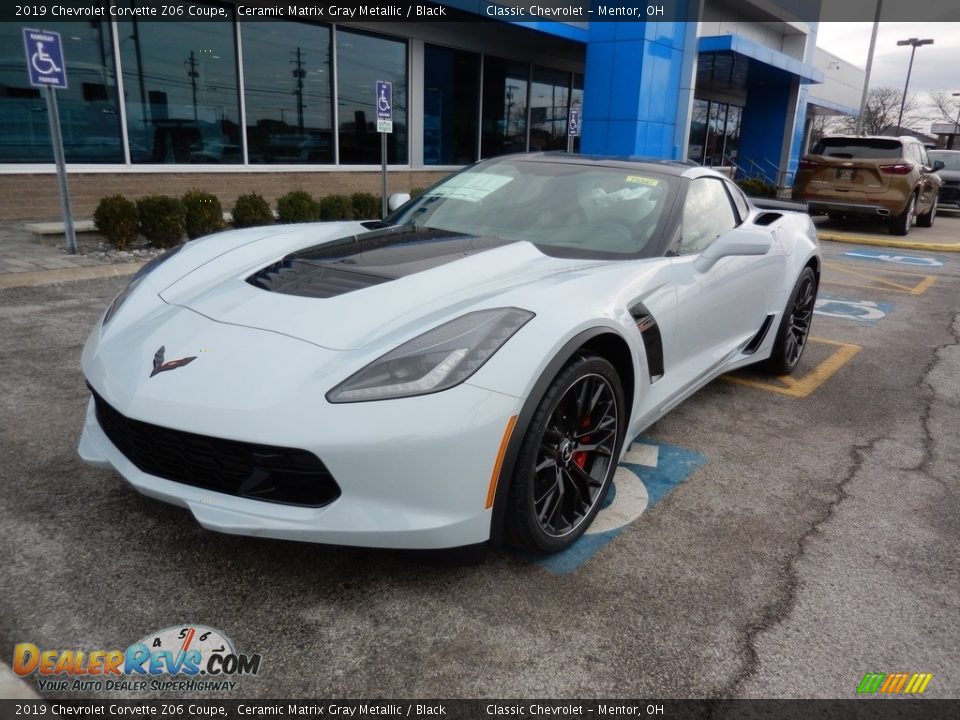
926 220
900 225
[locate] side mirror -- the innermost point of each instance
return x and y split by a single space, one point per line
938 165
396 200
735 243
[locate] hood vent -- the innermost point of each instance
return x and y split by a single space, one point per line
307 278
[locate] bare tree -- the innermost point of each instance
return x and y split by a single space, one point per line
944 105
882 110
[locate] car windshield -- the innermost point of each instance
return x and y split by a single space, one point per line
567 209
950 160
856 148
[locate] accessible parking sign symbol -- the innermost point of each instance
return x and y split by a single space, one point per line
44 55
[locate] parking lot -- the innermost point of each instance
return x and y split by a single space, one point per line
768 538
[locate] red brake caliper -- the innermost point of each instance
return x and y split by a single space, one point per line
580 458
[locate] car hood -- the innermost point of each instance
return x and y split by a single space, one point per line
951 175
376 287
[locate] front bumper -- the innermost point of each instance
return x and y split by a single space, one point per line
414 473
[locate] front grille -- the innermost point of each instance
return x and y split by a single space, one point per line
259 472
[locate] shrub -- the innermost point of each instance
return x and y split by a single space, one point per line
297 206
417 192
116 219
251 210
204 213
162 220
336 207
366 206
755 187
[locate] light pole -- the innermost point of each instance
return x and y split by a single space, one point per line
956 125
866 78
914 43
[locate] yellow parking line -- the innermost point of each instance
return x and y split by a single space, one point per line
918 289
924 285
863 240
804 386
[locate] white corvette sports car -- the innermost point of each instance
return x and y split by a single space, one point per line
466 371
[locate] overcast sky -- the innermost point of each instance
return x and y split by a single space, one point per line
936 67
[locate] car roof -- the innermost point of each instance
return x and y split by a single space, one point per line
667 167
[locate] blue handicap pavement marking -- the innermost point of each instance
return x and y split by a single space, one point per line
891 256
648 472
863 311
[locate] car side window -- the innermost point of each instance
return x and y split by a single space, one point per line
707 214
739 200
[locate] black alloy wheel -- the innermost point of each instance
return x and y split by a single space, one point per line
794 329
568 457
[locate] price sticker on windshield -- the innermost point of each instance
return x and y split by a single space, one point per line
637 179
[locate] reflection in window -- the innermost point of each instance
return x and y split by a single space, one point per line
451 91
361 61
180 79
707 214
504 107
549 96
89 116
287 89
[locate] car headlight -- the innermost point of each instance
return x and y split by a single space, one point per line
137 278
435 361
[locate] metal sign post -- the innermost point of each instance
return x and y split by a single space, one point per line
47 70
384 103
573 127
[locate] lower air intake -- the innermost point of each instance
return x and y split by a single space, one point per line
258 472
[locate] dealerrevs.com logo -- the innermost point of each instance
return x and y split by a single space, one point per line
178 658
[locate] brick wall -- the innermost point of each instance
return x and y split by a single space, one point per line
35 197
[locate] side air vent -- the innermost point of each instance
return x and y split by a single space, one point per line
757 340
767 218
652 342
309 278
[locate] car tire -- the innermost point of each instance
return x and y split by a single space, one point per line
794 328
926 220
556 489
900 225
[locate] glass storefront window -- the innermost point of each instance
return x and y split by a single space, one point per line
549 97
714 133
180 81
287 85
89 115
362 60
698 130
504 107
576 100
451 92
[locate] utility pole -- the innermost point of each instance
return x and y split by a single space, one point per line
866 78
192 73
299 74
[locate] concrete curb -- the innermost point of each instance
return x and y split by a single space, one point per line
880 242
52 277
13 687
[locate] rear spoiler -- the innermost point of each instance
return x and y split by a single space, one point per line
773 204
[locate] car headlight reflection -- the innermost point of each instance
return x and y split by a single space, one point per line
135 282
435 361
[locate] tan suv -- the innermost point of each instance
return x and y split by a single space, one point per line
888 177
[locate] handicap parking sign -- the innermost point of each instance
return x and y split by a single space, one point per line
44 53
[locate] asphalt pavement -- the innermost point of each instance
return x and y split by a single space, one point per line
796 535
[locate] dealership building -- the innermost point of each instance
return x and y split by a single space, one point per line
252 103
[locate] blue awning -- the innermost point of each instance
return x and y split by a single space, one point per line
741 46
